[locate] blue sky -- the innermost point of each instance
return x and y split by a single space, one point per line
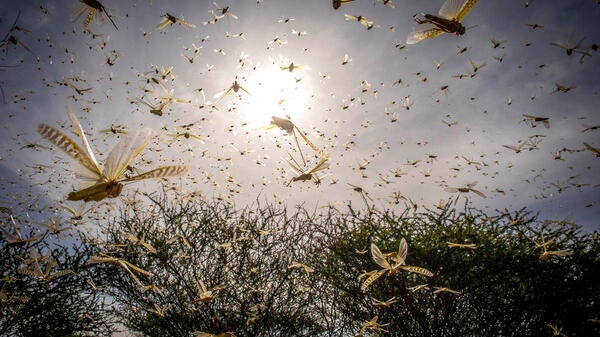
333 112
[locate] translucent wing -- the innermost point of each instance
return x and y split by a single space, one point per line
127 149
308 142
89 18
423 32
65 143
165 22
246 91
402 252
451 8
479 193
161 172
86 144
466 8
379 258
456 9
372 279
78 11
187 24
418 270
472 184
98 16
294 166
321 165
222 94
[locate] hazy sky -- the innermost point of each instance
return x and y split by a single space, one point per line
351 125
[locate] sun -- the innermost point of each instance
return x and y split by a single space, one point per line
274 92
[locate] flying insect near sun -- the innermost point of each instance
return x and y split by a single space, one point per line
235 87
108 182
449 21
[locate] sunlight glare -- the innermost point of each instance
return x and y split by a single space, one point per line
274 92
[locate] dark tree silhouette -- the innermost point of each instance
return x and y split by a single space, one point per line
214 269
522 278
44 285
177 266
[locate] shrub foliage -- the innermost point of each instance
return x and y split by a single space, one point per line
183 267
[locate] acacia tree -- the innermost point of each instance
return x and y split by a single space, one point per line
507 274
44 288
196 266
180 267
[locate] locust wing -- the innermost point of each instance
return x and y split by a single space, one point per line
451 189
161 172
127 149
78 11
321 165
418 270
86 145
222 94
379 258
456 9
165 22
372 279
66 144
423 32
402 252
479 193
187 24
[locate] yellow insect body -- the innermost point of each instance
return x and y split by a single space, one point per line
448 20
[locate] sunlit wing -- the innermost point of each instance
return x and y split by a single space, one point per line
321 165
514 148
372 279
197 137
246 91
418 270
181 100
366 23
187 24
86 145
89 18
127 149
78 11
456 9
165 22
308 142
161 172
99 16
65 143
402 252
423 32
379 258
302 67
298 145
295 167
222 94
479 193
